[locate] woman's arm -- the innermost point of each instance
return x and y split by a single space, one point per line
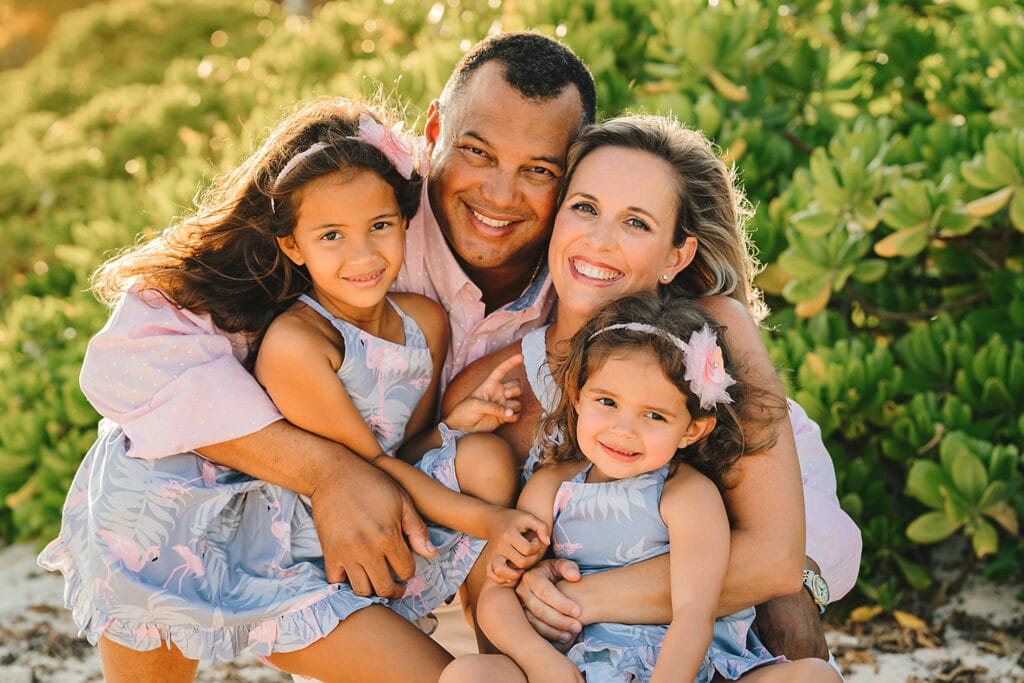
695 515
766 506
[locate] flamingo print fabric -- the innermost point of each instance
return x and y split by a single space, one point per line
179 549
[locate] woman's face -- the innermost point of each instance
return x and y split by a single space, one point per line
613 232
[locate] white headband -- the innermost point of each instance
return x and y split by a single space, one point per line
705 368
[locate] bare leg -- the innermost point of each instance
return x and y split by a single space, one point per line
810 670
483 668
374 644
487 469
124 665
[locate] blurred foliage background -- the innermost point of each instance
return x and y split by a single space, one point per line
881 142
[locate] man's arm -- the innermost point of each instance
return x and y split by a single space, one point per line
362 517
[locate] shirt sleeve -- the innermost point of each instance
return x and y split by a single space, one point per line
171 379
833 539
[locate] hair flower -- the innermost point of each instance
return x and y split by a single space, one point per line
391 142
705 369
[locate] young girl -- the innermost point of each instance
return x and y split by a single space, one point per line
647 425
166 551
387 351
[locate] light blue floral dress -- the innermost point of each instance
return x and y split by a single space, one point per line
179 549
603 526
611 524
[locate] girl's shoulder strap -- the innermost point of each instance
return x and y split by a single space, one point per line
316 306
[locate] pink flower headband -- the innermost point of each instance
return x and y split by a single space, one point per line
393 143
705 368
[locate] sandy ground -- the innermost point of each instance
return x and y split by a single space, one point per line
976 637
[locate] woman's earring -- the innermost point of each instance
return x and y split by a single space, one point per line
664 277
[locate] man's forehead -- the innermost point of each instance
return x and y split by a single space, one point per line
489 107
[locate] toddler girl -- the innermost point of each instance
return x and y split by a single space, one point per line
645 433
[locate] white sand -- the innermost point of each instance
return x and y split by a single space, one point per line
38 641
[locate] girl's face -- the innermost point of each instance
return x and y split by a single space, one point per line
632 418
613 232
350 235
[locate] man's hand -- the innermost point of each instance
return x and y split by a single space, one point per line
790 626
363 520
551 613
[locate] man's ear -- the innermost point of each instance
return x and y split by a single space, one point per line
698 429
432 128
291 250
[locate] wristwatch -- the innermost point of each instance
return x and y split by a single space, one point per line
818 588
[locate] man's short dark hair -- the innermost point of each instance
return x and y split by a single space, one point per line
538 67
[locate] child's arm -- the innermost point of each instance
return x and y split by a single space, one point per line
310 396
499 613
697 523
493 402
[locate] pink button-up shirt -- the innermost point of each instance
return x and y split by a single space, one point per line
430 269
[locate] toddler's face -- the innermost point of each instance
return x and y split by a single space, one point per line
632 419
350 235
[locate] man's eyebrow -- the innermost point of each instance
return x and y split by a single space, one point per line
554 161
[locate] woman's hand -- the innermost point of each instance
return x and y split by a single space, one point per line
516 541
493 403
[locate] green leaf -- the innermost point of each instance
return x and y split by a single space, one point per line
1017 209
969 476
977 174
915 575
870 270
924 481
903 242
1004 515
985 539
931 527
814 222
1002 165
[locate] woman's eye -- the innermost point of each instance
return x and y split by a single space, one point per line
331 236
605 401
584 207
380 225
655 416
638 224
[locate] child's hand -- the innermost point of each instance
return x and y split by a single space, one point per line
553 668
491 404
516 541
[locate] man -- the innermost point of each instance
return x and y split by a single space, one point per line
498 137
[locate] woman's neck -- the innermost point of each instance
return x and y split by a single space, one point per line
565 326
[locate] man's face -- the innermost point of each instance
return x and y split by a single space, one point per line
496 160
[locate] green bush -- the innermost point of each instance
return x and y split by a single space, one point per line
882 144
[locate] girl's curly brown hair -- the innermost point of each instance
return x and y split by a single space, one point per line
224 259
587 351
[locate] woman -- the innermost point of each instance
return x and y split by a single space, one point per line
679 231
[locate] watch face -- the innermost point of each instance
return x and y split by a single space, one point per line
820 589
817 587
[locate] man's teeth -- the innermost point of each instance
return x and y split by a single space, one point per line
594 272
490 221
